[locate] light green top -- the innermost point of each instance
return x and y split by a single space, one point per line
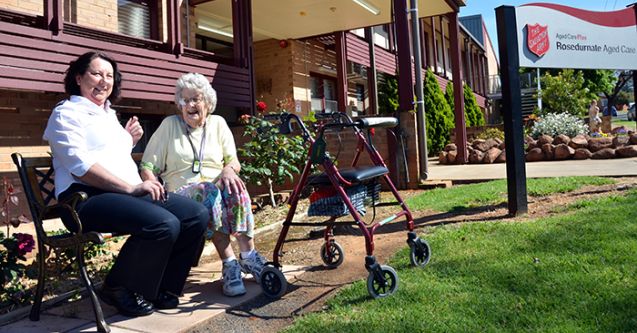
170 155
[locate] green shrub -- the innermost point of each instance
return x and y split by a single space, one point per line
438 115
472 112
491 133
473 116
558 123
564 93
388 95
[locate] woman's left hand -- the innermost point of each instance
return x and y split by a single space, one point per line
134 128
228 179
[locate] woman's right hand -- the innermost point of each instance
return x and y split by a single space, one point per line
152 187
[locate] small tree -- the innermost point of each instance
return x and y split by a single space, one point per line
388 95
564 93
438 115
472 114
269 155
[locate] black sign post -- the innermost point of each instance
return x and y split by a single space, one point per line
512 109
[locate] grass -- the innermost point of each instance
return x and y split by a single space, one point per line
628 124
574 272
464 197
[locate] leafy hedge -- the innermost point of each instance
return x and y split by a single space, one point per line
473 116
438 115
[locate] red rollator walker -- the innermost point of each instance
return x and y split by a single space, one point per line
352 188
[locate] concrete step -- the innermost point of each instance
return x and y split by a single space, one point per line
202 300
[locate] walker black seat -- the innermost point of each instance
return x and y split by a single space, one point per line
352 175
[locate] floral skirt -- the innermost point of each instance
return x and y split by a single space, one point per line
229 213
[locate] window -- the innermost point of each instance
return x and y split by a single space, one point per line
216 46
323 91
134 18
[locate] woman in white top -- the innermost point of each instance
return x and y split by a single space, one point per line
194 153
92 154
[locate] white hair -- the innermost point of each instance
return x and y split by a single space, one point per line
198 83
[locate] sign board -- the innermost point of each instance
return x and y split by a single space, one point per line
557 36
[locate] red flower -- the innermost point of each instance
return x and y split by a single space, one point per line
372 131
25 243
261 106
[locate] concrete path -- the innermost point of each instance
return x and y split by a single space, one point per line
202 300
612 167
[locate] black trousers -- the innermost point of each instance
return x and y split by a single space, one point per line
164 237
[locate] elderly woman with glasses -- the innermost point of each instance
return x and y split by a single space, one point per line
194 153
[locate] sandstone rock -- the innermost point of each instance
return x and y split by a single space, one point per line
627 151
476 156
578 141
582 154
502 158
548 150
596 144
619 129
561 139
501 146
633 139
544 139
442 157
480 144
563 152
531 145
620 141
491 155
534 155
450 147
452 156
498 140
490 143
604 153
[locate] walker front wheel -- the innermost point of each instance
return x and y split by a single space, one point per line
419 253
273 282
332 254
382 283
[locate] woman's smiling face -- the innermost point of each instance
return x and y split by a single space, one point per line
193 108
96 83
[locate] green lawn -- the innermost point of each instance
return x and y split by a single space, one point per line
628 124
493 193
574 272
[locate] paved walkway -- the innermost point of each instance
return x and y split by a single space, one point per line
203 298
612 167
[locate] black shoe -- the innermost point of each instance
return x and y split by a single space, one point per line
127 302
166 301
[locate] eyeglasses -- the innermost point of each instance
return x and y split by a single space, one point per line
191 101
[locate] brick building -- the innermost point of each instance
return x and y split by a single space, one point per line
315 55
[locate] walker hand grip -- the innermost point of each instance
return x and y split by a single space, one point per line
383 122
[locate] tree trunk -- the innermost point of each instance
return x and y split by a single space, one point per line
272 200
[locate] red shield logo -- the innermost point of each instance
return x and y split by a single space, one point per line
537 39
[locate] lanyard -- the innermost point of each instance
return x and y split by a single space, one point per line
197 158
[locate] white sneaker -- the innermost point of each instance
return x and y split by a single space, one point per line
232 283
253 265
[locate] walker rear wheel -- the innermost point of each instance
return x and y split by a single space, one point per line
383 285
332 254
419 253
273 282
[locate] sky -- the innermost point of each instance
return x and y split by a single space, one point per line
487 9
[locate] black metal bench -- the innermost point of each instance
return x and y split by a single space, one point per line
36 175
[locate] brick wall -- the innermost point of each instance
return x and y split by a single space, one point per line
34 7
97 14
273 72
